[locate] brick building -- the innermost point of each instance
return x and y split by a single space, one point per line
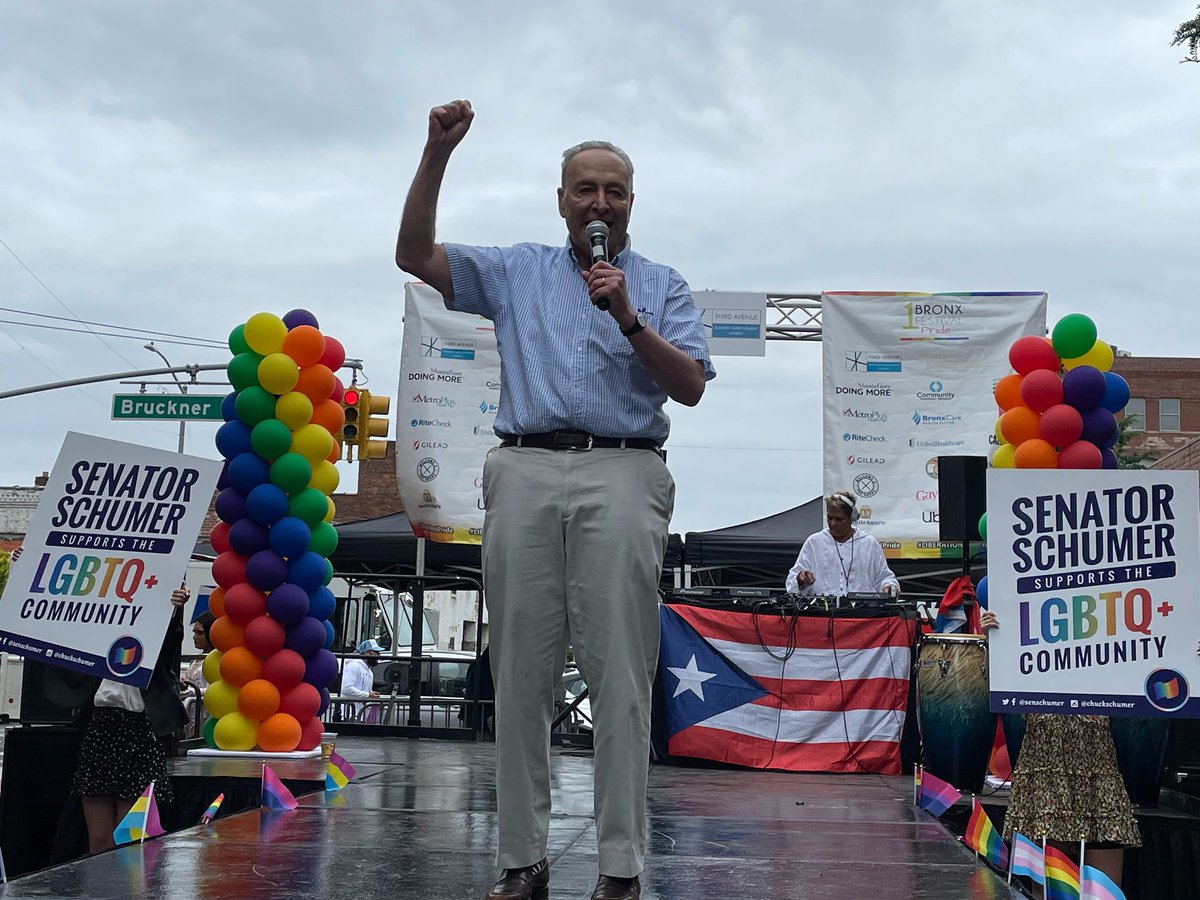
1165 395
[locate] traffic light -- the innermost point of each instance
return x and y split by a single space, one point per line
372 423
352 401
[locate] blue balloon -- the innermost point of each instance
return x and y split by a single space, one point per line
307 570
1116 392
229 407
230 505
322 603
233 439
266 504
981 592
328 635
290 537
248 470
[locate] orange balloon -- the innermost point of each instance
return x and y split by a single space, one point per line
329 415
1032 454
336 453
1019 424
1008 392
216 602
316 382
258 699
304 344
239 666
225 634
279 734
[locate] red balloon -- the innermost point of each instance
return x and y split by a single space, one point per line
244 603
1060 425
334 355
219 537
1041 389
301 702
339 390
310 734
264 636
229 569
284 669
1030 353
1080 455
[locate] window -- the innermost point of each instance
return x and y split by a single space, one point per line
1168 414
1136 409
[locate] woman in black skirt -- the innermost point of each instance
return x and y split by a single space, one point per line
121 753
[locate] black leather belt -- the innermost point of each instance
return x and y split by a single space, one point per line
579 440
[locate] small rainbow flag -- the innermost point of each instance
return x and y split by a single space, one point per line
937 796
1027 858
982 837
1095 885
141 821
1167 690
916 784
338 772
1062 876
274 794
211 812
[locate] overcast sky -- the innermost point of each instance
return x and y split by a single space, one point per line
178 167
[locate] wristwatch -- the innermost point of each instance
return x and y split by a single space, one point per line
640 321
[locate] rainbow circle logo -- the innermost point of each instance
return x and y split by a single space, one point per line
124 656
1167 690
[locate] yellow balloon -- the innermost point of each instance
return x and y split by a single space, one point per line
220 698
1004 457
278 373
332 510
999 434
235 732
264 332
212 667
313 442
294 410
325 477
1100 357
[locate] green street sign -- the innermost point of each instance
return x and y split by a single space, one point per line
166 406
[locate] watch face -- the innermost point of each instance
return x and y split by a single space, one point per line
642 320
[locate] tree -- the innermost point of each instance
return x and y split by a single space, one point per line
1128 457
5 566
1189 34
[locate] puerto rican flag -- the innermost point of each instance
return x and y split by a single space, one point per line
836 703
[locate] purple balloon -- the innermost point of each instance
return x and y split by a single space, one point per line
1108 459
307 570
306 637
266 570
1099 426
321 669
223 478
1116 392
1084 387
247 537
297 317
288 604
324 701
231 505
330 634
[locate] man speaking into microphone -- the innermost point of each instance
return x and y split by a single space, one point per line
593 339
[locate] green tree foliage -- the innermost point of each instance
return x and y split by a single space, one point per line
5 565
1127 457
1188 35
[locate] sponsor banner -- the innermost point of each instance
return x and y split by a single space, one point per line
1092 576
735 322
445 412
110 540
908 378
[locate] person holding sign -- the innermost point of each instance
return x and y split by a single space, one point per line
841 559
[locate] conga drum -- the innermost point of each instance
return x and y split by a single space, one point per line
1141 748
957 728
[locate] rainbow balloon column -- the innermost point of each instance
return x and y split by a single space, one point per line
1058 409
269 676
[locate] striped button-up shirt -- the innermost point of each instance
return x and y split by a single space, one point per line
564 363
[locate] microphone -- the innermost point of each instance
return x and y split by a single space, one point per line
597 235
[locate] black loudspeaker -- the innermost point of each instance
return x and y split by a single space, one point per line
962 496
51 695
39 764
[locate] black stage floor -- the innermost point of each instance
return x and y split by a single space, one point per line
420 822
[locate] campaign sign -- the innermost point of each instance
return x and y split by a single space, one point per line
1092 575
109 542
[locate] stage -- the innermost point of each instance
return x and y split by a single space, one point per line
420 822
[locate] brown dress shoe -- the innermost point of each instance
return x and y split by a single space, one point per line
610 888
528 883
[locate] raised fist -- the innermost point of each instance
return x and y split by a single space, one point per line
448 123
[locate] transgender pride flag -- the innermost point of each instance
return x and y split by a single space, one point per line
1095 885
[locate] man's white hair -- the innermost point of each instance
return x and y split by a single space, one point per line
571 152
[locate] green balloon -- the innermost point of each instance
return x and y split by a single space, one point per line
328 571
271 439
324 539
983 526
291 472
237 340
254 405
309 506
210 724
1073 336
243 371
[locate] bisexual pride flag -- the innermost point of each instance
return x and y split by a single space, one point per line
1095 885
338 772
982 837
1062 876
936 795
141 821
274 794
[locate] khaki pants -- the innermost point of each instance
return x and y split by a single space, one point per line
573 544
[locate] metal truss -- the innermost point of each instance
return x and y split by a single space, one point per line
793 317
